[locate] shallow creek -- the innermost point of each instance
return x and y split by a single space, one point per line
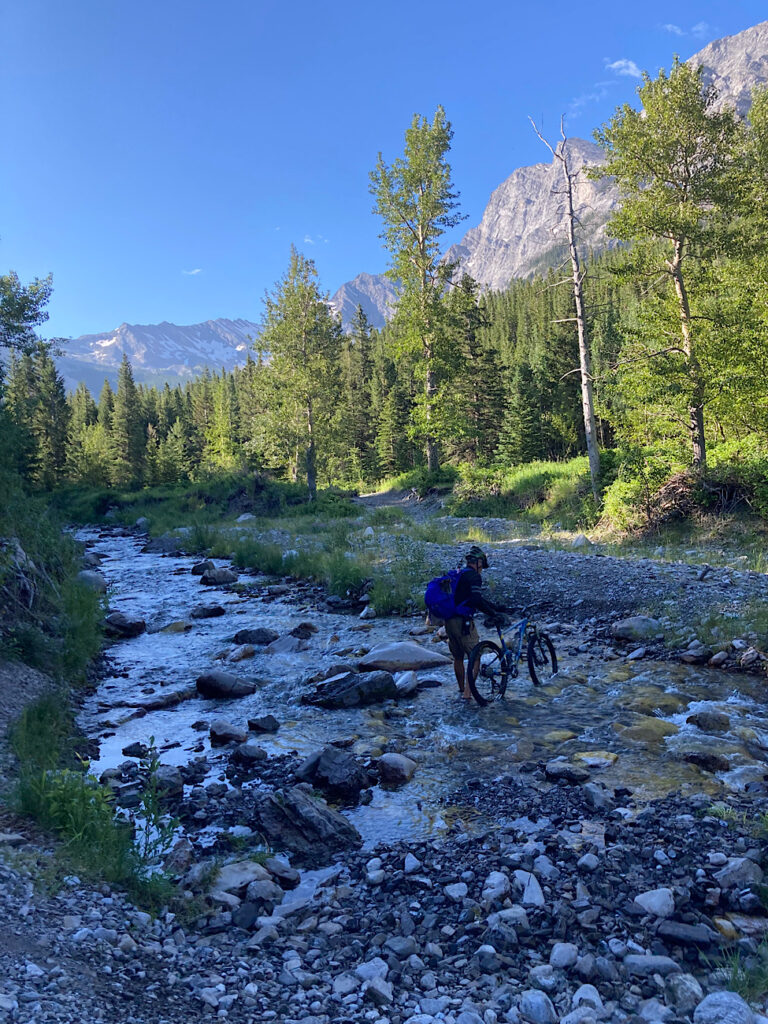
626 721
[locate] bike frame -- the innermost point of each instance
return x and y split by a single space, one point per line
519 630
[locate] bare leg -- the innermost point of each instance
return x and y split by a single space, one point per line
461 679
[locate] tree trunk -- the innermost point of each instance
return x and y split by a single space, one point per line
585 361
311 455
696 402
433 457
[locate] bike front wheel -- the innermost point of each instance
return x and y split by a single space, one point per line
542 659
487 672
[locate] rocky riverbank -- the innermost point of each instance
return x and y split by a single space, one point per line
552 892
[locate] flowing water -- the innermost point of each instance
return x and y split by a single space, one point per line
625 720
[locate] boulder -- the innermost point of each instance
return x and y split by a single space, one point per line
723 1008
218 577
258 636
739 872
120 626
657 902
265 723
710 721
337 773
287 645
169 780
636 627
249 752
207 611
223 684
142 524
350 689
242 653
396 769
222 732
707 760
562 770
202 567
165 545
236 876
304 630
93 580
402 656
294 819
639 965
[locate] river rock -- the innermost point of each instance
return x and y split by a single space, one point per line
532 894
264 723
683 992
395 769
561 769
678 933
236 876
658 902
169 780
304 630
165 545
739 872
641 965
242 653
259 636
218 577
287 645
636 627
402 656
707 760
337 773
710 721
216 684
496 886
723 1008
202 567
121 626
350 689
207 611
294 819
249 752
223 732
536 1007
93 580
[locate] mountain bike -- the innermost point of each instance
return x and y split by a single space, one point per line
492 665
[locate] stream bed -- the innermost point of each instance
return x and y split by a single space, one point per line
625 721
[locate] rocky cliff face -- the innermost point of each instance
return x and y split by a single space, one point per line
736 65
522 230
374 292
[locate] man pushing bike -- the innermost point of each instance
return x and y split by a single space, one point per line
467 600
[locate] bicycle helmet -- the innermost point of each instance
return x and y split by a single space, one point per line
476 554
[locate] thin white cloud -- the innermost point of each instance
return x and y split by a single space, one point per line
625 67
191 273
309 240
674 29
701 30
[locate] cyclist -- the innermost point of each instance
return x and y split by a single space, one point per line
461 630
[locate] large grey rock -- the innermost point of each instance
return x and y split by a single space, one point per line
337 773
723 1008
640 965
636 627
120 626
207 611
93 580
536 1007
294 819
402 656
287 645
396 769
657 902
217 684
236 876
218 577
683 992
259 636
351 689
222 732
738 873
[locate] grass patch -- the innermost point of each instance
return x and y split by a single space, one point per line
421 480
55 788
539 492
747 975
205 502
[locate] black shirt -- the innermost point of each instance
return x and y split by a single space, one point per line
468 592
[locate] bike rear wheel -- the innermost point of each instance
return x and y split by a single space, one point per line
542 659
487 672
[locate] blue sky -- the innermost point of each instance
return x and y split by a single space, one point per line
159 157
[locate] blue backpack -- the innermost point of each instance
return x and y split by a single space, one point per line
440 597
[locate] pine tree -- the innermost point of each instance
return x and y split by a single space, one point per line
127 435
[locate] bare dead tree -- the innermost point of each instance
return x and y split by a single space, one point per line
570 177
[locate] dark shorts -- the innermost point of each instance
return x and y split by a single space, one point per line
460 642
